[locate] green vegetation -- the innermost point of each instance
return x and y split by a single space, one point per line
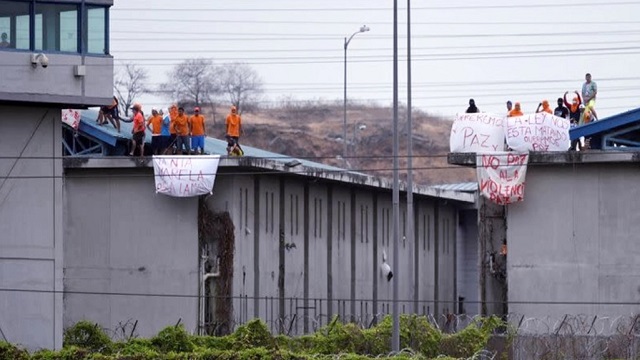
252 341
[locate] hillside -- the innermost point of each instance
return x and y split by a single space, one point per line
314 130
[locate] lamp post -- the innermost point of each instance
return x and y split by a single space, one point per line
363 28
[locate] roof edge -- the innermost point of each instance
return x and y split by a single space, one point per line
268 165
561 157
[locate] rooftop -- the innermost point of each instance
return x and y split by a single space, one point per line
254 158
616 132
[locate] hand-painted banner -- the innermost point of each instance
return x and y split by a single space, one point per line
501 176
71 117
185 176
538 132
479 133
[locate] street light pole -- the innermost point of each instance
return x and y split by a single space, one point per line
363 28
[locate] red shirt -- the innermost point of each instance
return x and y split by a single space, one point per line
138 122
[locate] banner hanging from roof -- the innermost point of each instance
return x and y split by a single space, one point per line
185 176
71 117
538 132
501 176
479 133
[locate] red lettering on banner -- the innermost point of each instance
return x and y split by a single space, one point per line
516 159
502 194
490 161
540 147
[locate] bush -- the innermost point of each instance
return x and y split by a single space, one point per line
253 341
173 338
213 342
253 334
415 333
11 352
87 335
471 339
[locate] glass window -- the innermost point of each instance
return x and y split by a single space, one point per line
96 30
56 27
14 24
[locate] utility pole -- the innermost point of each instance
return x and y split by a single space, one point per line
395 337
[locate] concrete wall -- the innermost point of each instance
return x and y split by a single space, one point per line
446 260
122 238
467 262
574 239
31 252
314 249
56 83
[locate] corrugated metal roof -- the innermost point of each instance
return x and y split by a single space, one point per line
462 187
211 145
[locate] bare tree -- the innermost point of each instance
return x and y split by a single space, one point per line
192 81
129 84
241 84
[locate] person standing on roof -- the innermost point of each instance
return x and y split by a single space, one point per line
173 113
182 128
109 113
472 107
233 130
516 111
574 108
589 92
561 111
137 140
198 131
165 132
154 124
545 107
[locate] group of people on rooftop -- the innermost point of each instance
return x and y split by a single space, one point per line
580 111
172 130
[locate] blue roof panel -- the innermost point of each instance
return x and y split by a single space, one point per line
108 134
600 127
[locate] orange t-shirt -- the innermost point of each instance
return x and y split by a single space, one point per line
515 112
197 125
233 125
181 125
138 122
173 113
156 124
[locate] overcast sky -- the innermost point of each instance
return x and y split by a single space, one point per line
491 51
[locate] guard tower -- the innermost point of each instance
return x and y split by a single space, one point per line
53 56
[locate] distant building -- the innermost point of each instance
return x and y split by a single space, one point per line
56 55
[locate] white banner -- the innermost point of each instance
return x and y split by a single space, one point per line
538 132
185 176
501 176
479 133
71 117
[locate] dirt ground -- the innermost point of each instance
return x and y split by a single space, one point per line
315 130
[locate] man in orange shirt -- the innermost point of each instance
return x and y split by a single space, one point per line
137 139
173 113
182 128
516 111
198 131
234 128
154 124
545 107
